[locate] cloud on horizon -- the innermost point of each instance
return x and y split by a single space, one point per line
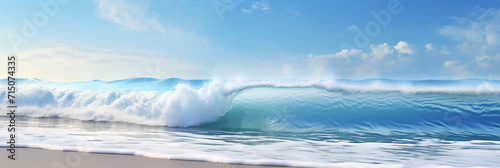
77 64
349 63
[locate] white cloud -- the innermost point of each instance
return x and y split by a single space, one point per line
136 16
482 28
483 61
479 27
345 53
355 63
432 49
381 50
478 34
456 68
320 63
351 27
429 47
403 48
246 10
448 64
492 39
261 5
133 15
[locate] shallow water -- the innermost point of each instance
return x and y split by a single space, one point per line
248 146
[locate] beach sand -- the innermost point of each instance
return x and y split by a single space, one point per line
41 158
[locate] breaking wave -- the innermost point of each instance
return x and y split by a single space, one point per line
469 104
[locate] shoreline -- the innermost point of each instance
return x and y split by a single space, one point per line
38 157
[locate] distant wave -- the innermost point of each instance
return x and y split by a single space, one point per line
467 86
270 104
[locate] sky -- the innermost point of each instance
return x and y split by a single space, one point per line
64 40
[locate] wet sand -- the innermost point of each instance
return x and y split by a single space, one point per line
41 158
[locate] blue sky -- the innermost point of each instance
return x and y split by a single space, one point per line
252 39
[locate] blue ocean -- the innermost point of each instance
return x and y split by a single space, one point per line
310 123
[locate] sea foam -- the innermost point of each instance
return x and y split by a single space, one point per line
183 103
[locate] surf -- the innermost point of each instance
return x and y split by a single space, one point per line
371 104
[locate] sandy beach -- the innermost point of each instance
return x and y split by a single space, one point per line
41 158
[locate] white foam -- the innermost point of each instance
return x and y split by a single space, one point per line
190 144
185 106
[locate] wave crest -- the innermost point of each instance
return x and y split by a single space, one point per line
370 103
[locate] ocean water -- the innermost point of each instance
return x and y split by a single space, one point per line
312 123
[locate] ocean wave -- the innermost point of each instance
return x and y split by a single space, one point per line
464 86
270 104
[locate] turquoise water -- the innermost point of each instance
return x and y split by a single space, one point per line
345 123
